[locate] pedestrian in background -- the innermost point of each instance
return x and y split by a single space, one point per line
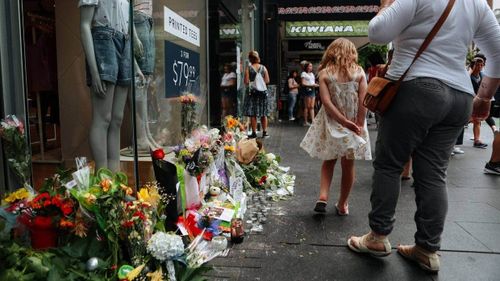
228 90
256 101
432 105
293 91
308 84
339 130
476 76
492 167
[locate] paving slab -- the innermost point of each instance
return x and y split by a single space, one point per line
486 233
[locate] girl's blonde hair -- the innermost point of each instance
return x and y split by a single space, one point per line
342 56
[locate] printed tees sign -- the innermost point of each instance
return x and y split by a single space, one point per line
182 68
180 27
326 28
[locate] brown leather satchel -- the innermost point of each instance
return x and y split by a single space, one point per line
381 91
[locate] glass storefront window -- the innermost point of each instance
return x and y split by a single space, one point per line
66 118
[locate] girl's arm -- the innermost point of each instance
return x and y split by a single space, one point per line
246 80
363 86
292 85
266 75
331 109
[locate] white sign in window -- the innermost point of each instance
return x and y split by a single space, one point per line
180 27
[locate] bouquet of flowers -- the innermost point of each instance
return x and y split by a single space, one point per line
16 147
188 113
197 152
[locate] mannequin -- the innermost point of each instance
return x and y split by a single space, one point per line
104 34
143 24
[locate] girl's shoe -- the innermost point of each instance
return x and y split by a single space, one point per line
428 261
358 245
340 213
320 206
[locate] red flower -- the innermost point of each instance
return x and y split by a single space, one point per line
140 215
56 200
158 154
262 180
67 208
128 224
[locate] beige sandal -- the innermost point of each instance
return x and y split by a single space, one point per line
428 261
358 245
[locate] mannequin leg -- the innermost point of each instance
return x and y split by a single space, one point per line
113 139
141 117
101 118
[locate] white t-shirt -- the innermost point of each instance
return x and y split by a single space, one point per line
109 13
309 78
226 78
407 22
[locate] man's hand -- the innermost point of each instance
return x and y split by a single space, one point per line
480 108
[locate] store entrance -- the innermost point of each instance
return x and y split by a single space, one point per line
43 97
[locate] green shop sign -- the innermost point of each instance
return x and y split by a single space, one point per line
229 31
326 28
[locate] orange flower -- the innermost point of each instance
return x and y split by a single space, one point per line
66 224
106 184
129 191
231 123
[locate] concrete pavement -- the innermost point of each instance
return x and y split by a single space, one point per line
298 245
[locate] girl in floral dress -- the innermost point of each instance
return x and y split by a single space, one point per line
339 130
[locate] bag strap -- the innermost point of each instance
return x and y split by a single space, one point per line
430 36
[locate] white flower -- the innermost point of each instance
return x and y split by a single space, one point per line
163 246
270 157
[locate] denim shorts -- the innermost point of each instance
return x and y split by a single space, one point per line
112 55
309 92
144 28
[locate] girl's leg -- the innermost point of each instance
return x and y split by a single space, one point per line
263 121
253 123
476 129
311 108
306 103
347 182
291 104
326 179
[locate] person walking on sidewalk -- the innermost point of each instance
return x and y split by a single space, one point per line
308 83
293 91
255 104
476 77
339 130
432 105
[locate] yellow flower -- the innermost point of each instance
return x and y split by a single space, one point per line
156 276
89 198
106 185
143 194
232 123
19 194
134 273
229 148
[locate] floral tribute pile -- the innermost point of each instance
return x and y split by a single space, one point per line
82 225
